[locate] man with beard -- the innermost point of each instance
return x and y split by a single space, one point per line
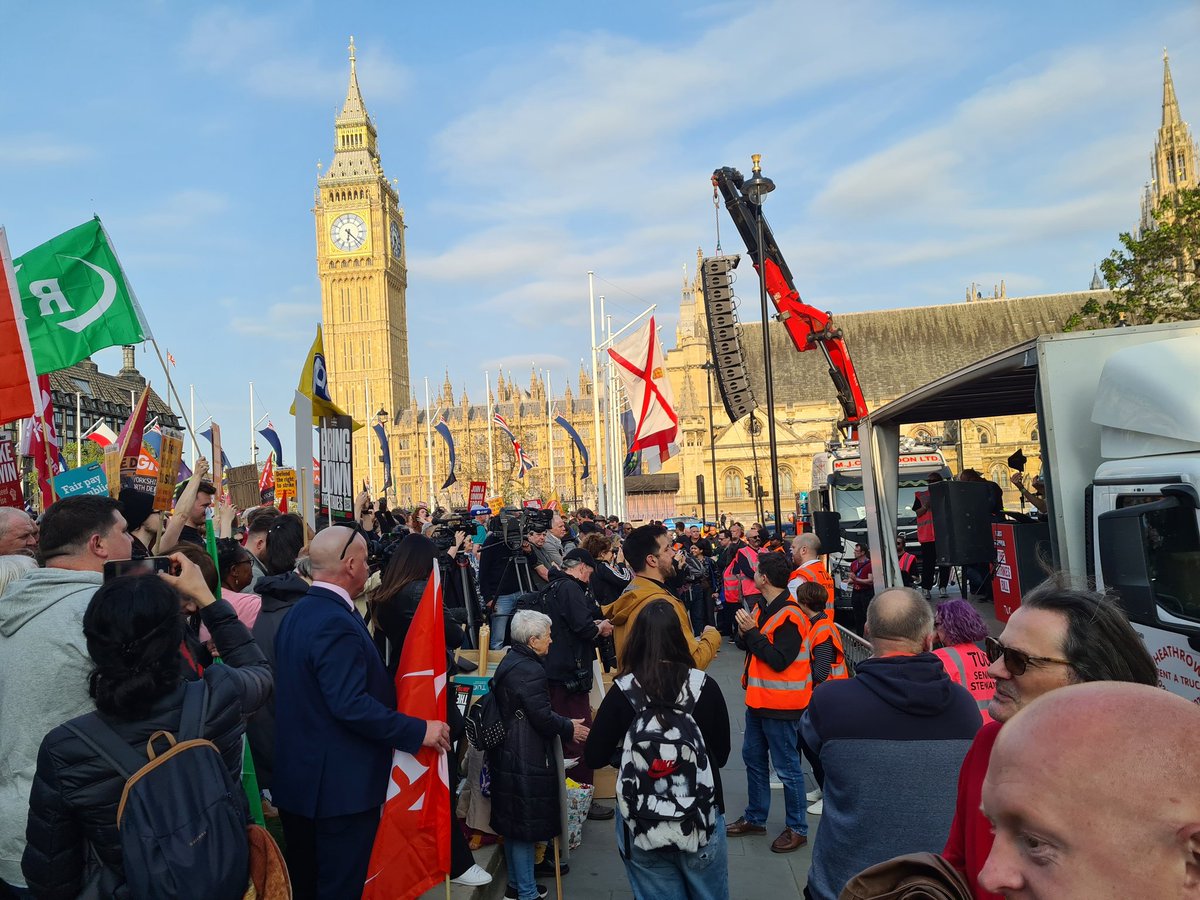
649 553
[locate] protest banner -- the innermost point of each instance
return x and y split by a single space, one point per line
477 493
337 480
89 479
242 485
112 467
285 484
10 476
168 469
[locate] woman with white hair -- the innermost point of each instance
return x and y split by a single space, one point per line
14 568
525 784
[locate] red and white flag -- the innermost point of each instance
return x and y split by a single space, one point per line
41 442
103 435
412 844
266 481
18 394
639 360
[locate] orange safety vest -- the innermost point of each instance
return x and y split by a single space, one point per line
967 665
819 632
789 689
735 586
924 518
814 570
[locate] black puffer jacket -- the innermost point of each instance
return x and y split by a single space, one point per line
573 615
525 785
73 803
279 594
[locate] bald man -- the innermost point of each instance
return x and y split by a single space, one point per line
18 532
336 725
1092 793
806 554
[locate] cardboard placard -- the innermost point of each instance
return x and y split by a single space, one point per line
242 484
477 493
10 476
89 479
169 458
285 484
337 479
112 467
218 463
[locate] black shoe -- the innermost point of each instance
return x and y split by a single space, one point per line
545 869
510 892
600 813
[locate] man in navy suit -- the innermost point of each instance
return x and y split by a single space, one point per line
337 724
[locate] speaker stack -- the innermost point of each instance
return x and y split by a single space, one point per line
962 522
732 378
827 526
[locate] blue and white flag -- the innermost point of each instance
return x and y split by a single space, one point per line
271 436
385 455
570 429
444 430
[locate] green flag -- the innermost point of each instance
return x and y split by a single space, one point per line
76 299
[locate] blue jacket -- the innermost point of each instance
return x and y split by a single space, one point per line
335 712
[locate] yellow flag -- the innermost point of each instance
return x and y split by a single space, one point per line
314 384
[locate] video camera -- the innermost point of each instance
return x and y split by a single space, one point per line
445 526
513 523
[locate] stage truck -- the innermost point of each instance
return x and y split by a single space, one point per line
837 487
1118 422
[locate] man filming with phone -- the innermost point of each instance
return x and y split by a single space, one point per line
44 662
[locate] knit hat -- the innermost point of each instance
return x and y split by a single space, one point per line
137 506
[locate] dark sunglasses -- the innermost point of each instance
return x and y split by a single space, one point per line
1017 661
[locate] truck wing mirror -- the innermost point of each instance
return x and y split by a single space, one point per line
1148 553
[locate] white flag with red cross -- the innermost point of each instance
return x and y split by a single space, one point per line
639 360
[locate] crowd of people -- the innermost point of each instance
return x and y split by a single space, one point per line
262 634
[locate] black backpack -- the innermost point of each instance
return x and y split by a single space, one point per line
181 819
484 723
538 601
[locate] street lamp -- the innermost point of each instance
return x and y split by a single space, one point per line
756 190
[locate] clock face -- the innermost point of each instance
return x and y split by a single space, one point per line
349 232
395 235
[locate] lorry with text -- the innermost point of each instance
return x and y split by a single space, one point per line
1118 420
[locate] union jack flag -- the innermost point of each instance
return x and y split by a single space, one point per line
524 462
170 359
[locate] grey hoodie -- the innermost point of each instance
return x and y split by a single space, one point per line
44 667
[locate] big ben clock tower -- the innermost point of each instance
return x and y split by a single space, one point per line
361 264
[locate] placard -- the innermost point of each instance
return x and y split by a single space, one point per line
10 476
535 503
112 466
89 479
477 493
169 458
242 483
337 478
285 484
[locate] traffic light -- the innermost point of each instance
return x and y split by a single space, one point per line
762 491
750 485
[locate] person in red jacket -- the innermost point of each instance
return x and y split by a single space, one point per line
1058 636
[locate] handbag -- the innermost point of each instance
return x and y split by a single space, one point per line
484 724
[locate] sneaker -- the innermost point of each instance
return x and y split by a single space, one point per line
474 877
600 812
817 808
942 593
510 892
814 795
545 869
776 784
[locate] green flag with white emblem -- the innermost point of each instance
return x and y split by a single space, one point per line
76 299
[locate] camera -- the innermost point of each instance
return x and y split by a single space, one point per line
445 526
512 524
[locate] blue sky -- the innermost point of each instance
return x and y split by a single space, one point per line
916 148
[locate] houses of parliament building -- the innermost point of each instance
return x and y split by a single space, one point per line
363 274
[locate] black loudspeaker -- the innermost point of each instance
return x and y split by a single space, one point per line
962 522
827 526
732 379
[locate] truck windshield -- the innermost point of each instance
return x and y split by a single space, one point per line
850 502
1172 558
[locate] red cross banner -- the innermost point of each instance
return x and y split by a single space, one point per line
639 360
412 844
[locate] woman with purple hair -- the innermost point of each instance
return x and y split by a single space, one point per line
960 629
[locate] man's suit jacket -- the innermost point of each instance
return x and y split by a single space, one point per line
335 712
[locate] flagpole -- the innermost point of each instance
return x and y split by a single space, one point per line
550 432
253 444
171 390
78 429
597 476
370 419
192 391
429 445
491 456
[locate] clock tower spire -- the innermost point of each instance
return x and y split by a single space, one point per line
364 278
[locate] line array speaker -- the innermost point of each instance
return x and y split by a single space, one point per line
732 379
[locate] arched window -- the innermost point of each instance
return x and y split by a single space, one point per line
735 487
785 482
1034 436
983 436
1000 475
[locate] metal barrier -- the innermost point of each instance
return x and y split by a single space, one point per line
856 648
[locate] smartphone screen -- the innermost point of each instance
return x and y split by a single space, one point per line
115 568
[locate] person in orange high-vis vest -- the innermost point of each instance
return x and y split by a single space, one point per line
909 568
823 646
959 626
806 553
778 683
927 536
739 574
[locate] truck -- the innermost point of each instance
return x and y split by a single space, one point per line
1118 420
837 487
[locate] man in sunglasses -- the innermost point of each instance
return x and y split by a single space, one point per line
1057 637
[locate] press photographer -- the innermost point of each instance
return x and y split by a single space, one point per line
507 564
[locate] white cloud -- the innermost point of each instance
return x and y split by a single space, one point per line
40 149
283 321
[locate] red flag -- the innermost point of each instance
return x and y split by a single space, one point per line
412 845
283 504
129 442
17 394
266 481
42 442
